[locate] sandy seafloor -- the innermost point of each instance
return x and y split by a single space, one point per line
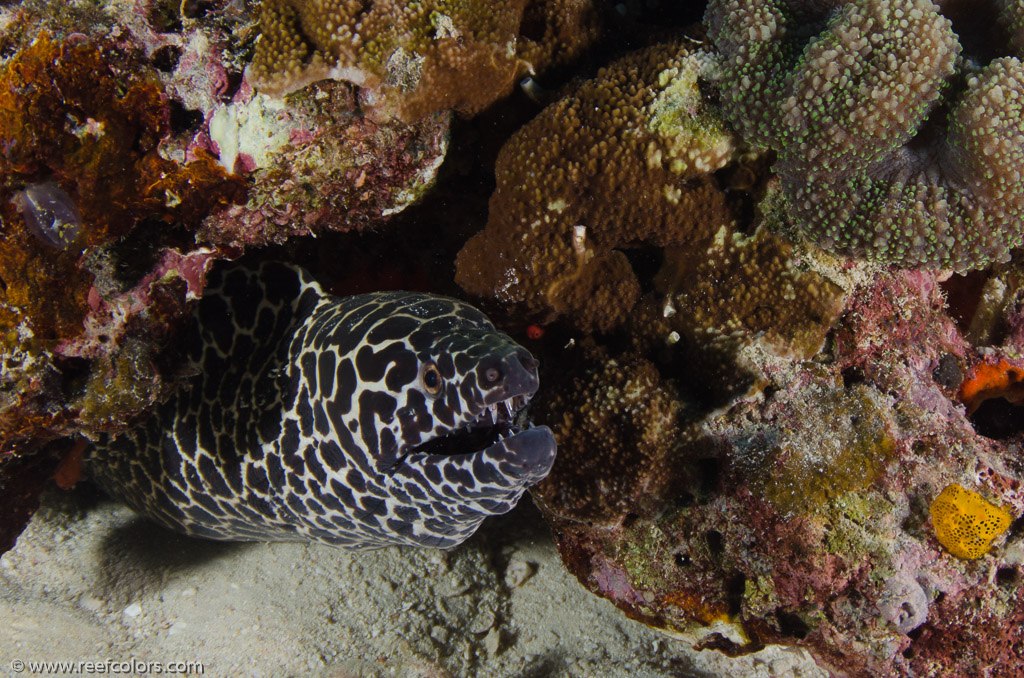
89 580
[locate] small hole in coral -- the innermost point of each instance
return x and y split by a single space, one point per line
684 499
3 285
182 119
103 338
963 294
735 587
791 625
73 375
715 541
1007 576
683 560
645 261
196 9
533 26
998 419
852 375
166 58
708 470
231 88
1016 529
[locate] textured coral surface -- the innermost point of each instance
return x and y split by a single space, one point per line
751 443
891 144
558 224
805 504
414 59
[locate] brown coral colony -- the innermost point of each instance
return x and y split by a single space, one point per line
413 59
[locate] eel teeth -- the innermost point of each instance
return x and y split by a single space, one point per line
503 411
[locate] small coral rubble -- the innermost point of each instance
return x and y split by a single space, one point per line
890 146
558 221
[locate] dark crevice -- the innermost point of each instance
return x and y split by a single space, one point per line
646 262
791 625
197 9
708 470
735 586
715 542
852 376
166 58
181 118
233 84
1007 577
998 419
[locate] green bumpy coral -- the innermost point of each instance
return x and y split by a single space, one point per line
890 145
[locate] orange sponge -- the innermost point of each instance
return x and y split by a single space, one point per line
965 523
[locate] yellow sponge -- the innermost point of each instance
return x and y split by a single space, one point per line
965 523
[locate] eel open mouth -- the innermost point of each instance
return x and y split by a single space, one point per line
496 424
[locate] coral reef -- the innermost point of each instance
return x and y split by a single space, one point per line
555 33
1011 19
803 510
760 440
735 293
415 59
142 138
751 445
890 145
639 128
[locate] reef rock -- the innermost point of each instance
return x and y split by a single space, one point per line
788 480
757 435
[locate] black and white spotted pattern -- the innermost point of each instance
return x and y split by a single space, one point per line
363 421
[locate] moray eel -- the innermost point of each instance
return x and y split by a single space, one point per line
365 421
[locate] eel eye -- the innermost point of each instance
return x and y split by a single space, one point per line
431 379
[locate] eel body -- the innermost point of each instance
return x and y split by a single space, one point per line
364 421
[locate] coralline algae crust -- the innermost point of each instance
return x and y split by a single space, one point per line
253 132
